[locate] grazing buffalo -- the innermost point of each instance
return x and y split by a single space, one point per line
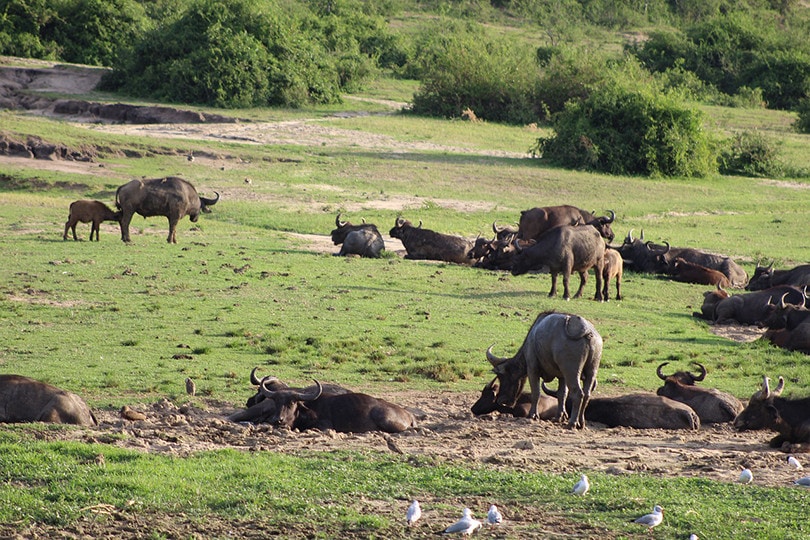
766 277
347 413
768 410
687 272
564 250
28 400
558 345
488 402
364 239
171 197
536 221
613 269
85 211
430 245
747 308
710 404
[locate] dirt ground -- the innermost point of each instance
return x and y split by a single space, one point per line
447 430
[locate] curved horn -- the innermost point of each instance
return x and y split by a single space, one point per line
399 222
253 379
782 303
629 238
492 385
339 224
494 360
546 390
702 372
495 228
420 224
779 387
516 245
363 220
765 392
770 265
612 216
310 394
210 202
659 373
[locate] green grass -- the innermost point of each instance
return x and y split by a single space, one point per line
106 319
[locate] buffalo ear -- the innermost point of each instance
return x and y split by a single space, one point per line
772 411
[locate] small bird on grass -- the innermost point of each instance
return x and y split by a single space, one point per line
653 519
494 516
466 525
793 462
414 513
191 388
581 487
746 477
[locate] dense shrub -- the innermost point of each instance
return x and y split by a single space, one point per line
229 54
802 123
751 154
21 28
465 70
625 128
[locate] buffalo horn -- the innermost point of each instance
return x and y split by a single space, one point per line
546 390
339 224
420 224
253 379
629 238
612 216
702 372
659 373
210 202
310 394
516 244
494 360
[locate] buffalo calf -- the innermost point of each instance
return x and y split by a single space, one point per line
86 211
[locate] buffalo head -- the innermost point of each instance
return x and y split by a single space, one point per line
511 382
683 377
760 412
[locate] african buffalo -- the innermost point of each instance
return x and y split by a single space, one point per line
766 277
364 239
768 410
710 404
488 402
536 221
613 269
274 383
746 308
28 400
504 234
786 315
86 211
347 413
430 245
736 275
688 272
564 250
638 255
558 345
172 197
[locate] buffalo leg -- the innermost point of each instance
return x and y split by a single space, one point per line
598 269
172 239
553 291
533 373
126 217
94 227
69 225
562 396
577 399
583 278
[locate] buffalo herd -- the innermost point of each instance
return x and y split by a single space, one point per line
562 346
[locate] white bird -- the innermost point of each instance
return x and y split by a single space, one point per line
803 481
693 536
581 487
414 512
494 516
746 477
652 520
793 462
466 525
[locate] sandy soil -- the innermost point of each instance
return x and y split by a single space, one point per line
446 431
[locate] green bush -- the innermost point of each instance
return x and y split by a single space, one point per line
802 123
751 154
229 54
21 28
630 128
468 71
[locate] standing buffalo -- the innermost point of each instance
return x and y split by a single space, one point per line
558 345
536 221
768 410
364 239
613 269
172 197
710 404
28 400
86 211
430 245
347 413
564 250
766 277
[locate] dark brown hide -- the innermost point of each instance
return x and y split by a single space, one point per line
86 211
27 400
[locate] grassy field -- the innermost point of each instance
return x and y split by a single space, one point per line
106 319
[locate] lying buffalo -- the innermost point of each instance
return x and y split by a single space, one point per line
767 409
710 404
557 346
364 239
28 400
640 411
488 403
348 413
171 197
747 308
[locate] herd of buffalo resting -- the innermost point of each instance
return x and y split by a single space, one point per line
567 347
